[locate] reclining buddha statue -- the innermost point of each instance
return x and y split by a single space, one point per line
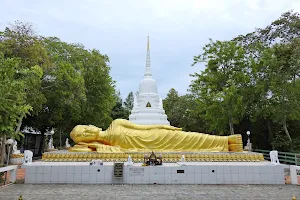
124 136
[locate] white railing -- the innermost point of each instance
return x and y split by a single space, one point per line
12 172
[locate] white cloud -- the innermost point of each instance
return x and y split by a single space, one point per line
178 30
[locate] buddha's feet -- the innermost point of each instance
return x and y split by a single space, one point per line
235 143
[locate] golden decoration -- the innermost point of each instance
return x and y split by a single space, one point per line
21 155
167 157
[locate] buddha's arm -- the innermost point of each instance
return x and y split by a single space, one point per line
100 148
129 125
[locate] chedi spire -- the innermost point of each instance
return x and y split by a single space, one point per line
148 72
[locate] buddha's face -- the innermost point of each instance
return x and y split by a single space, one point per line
84 133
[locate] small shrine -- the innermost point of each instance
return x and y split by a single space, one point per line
152 160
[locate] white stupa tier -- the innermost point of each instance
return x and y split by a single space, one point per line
148 108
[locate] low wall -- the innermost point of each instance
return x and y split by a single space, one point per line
168 173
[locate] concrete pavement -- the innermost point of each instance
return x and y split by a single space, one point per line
211 192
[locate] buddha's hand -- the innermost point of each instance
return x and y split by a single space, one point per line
85 133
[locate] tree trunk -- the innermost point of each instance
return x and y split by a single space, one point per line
270 134
60 138
3 153
19 125
231 126
286 130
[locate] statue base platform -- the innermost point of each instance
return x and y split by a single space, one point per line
167 173
167 157
16 159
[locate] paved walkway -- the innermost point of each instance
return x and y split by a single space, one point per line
211 192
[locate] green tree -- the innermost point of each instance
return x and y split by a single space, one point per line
86 89
67 83
118 111
128 104
13 99
170 104
20 41
190 118
65 95
181 112
282 30
219 88
274 49
100 89
282 63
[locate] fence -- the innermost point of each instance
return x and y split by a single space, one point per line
284 157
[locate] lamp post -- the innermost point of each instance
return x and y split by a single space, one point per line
248 141
50 143
51 133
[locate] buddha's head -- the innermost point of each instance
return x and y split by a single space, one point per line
85 133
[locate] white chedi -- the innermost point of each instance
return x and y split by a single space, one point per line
147 106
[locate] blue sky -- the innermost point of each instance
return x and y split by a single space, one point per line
178 30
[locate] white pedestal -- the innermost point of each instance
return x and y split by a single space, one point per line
294 176
168 173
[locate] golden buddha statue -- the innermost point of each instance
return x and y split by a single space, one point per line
124 136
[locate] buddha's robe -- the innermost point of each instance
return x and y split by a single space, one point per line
123 135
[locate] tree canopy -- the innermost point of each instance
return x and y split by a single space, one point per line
254 80
49 83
